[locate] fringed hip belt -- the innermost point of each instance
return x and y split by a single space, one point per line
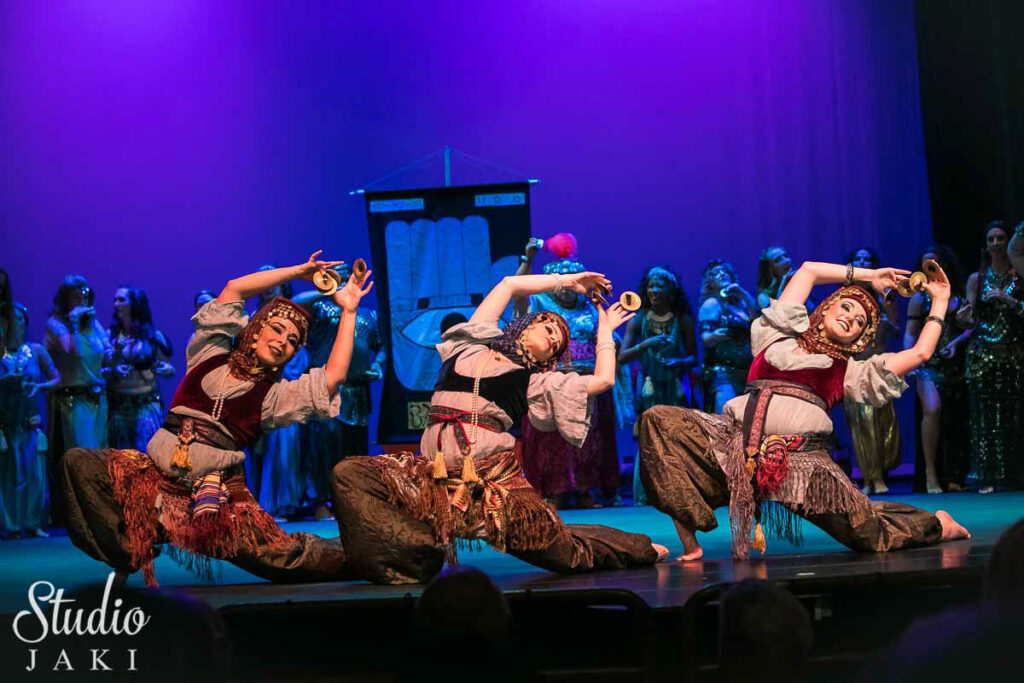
767 455
509 509
761 392
159 509
495 475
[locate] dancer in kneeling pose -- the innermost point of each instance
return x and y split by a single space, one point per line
189 489
399 517
767 456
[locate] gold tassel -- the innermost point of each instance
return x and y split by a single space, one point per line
759 541
469 475
440 471
180 460
751 466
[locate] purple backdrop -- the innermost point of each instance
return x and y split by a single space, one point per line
174 144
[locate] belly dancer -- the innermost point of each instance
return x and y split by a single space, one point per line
400 517
188 490
768 455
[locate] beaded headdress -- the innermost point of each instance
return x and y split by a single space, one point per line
565 266
242 360
816 339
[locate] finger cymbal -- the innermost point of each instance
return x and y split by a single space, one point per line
324 283
598 294
914 283
630 301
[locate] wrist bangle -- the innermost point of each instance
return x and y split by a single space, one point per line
604 345
936 319
523 258
558 283
849 275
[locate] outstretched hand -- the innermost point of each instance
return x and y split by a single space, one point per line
348 297
938 285
613 316
586 281
886 278
307 270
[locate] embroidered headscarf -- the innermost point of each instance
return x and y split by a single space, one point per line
511 345
243 361
816 339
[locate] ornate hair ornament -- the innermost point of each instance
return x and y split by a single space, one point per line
512 346
242 359
565 266
816 339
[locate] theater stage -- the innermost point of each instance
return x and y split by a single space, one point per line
860 601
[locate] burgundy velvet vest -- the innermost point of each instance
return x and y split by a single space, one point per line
825 382
241 414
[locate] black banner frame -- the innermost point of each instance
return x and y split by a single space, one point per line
509 229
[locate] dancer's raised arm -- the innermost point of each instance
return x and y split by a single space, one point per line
254 284
609 319
348 298
922 349
813 273
516 286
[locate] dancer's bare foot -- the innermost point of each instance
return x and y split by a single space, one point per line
691 548
661 550
951 531
692 555
880 487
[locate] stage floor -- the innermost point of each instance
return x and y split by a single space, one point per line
667 585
